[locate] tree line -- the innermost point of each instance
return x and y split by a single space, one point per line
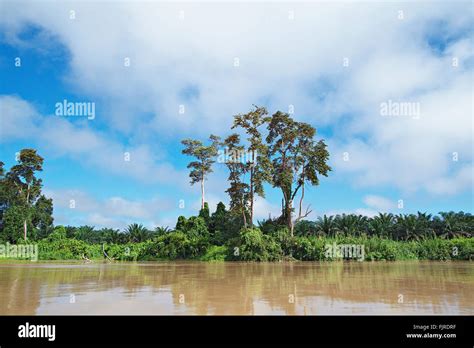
283 153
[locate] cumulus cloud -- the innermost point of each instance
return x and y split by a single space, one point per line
115 211
379 203
374 205
263 209
190 59
57 136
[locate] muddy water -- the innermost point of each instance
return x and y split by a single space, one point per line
237 288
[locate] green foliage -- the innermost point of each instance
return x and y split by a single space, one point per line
86 234
21 198
42 216
176 245
160 231
137 233
67 249
305 228
181 223
253 245
219 225
195 227
128 252
270 226
238 191
58 233
308 248
296 159
205 158
13 221
258 168
216 253
205 214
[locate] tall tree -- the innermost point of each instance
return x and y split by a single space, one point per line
296 159
238 190
259 165
205 156
42 216
311 161
26 186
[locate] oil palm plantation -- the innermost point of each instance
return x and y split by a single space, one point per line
137 233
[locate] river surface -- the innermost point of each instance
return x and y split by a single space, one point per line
231 288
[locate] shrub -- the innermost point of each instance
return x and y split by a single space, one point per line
67 249
128 252
255 246
462 248
195 227
435 249
58 233
216 253
175 245
308 248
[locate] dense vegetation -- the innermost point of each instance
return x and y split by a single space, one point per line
216 237
288 158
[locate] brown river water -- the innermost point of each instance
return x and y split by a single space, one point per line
231 288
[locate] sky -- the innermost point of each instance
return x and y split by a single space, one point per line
388 86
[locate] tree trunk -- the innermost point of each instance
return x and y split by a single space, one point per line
25 228
301 201
251 188
289 220
202 193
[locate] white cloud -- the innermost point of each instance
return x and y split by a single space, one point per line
282 62
264 209
379 203
79 142
116 212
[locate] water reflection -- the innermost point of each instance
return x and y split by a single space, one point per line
238 288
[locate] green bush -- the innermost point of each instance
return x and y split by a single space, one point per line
308 248
251 245
58 233
438 249
129 251
67 249
462 248
216 253
255 246
195 227
176 245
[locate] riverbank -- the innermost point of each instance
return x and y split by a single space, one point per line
254 246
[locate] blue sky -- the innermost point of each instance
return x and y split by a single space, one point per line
335 63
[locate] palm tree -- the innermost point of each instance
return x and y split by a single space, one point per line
455 224
381 225
86 234
350 225
160 231
326 226
413 227
137 233
109 235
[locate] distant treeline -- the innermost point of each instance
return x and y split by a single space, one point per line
222 226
